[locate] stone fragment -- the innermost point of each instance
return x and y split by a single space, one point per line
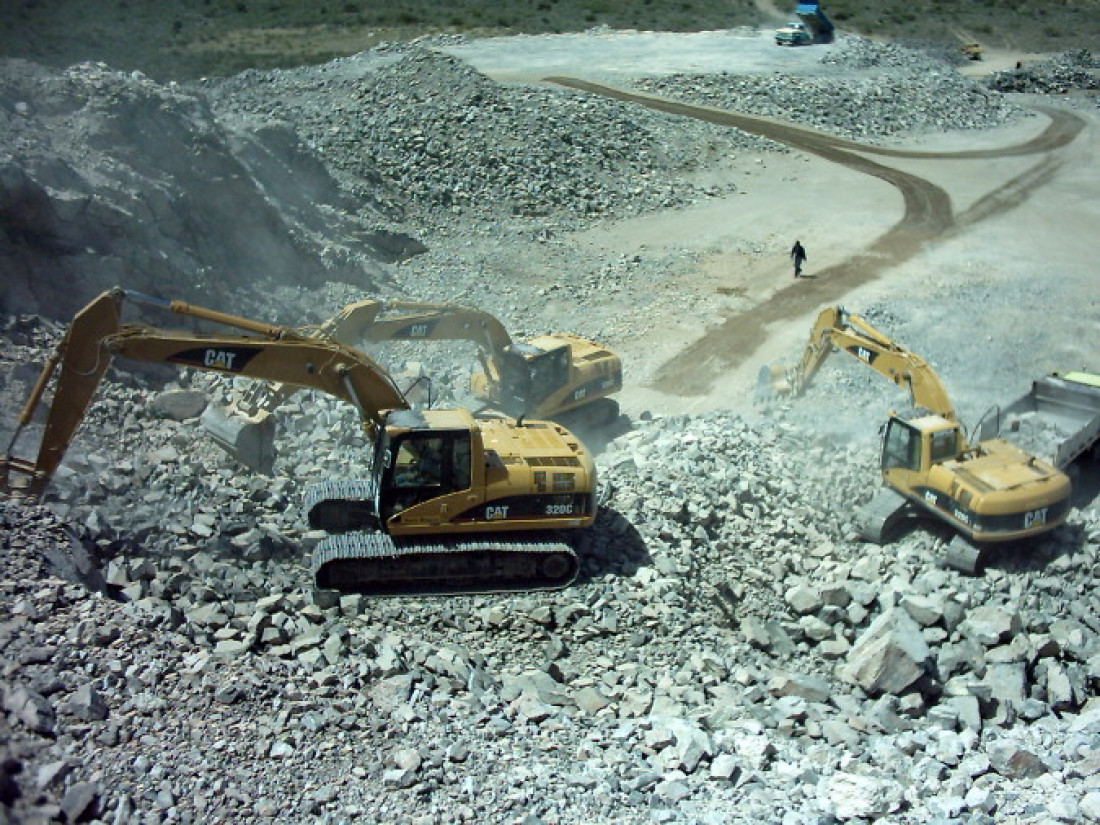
1013 761
725 766
756 750
804 598
88 705
81 802
811 688
179 405
924 610
890 655
1007 681
991 625
858 796
590 700
33 710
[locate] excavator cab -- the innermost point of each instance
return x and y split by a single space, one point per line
916 444
549 370
422 465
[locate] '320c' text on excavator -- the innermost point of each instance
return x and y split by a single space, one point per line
989 492
451 503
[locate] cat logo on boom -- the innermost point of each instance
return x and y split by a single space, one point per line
495 513
226 359
218 359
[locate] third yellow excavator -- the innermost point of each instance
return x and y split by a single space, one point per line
990 491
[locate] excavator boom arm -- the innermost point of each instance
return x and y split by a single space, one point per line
835 328
275 354
416 321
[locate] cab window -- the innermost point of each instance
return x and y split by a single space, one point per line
550 371
440 461
426 465
901 447
944 445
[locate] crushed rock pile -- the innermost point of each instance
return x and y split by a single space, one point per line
881 90
1072 71
730 652
439 135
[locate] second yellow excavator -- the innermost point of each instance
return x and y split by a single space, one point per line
990 491
450 503
561 377
551 376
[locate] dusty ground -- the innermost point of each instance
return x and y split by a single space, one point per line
1011 206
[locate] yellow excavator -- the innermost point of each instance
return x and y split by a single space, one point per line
547 377
562 377
990 491
451 503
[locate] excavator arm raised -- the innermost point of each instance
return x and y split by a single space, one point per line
837 329
268 353
546 378
499 355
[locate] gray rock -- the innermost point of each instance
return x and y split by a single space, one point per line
1007 682
88 705
859 796
81 801
889 657
804 598
811 688
33 710
991 625
1014 762
179 405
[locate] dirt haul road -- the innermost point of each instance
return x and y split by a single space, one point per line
928 216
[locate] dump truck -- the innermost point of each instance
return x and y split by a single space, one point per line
987 490
810 26
450 503
1058 418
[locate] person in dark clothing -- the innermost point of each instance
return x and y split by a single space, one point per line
798 255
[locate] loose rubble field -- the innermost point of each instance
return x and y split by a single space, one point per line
731 651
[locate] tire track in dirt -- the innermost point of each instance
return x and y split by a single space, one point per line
928 215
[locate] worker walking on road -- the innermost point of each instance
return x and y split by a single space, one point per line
798 255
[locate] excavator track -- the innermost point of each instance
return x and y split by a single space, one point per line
879 518
373 563
341 506
603 412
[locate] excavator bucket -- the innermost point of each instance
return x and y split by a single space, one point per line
772 382
250 440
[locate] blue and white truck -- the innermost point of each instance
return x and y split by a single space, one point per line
811 26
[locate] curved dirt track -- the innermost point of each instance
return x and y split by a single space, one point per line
928 215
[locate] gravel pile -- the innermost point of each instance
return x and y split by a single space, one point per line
1072 71
729 653
440 136
880 90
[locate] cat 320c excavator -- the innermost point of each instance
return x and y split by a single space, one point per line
451 503
989 492
561 377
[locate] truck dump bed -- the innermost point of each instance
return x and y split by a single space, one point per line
1059 417
815 21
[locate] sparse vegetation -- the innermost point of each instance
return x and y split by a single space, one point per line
180 39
